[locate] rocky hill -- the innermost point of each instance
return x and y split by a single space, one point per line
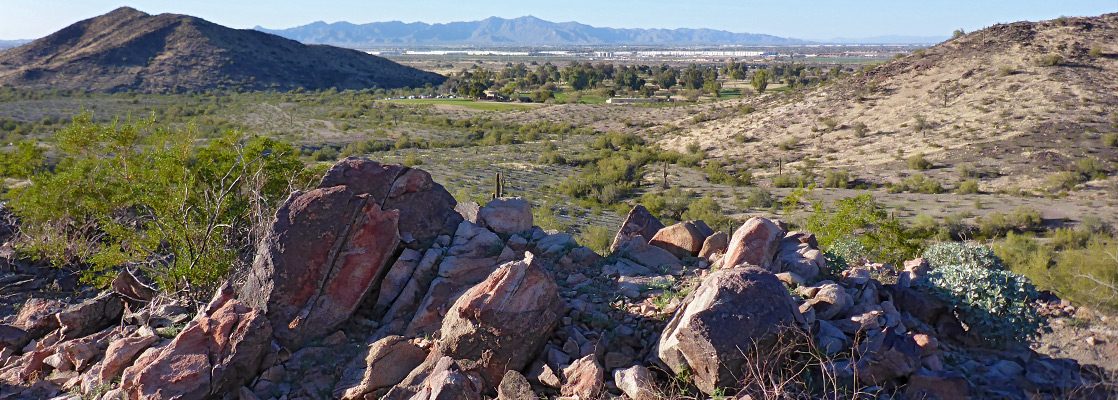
521 31
1015 102
129 50
377 284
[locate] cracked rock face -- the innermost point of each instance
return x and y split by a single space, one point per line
311 272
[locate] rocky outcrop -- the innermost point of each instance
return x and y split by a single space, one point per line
380 366
639 222
504 320
732 314
216 353
506 215
754 244
683 239
426 209
91 315
325 251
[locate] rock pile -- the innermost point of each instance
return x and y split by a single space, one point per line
377 284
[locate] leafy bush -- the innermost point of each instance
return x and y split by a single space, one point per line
136 195
709 211
860 129
836 178
918 162
1050 60
716 173
1021 219
972 279
758 198
961 253
25 159
969 186
1086 275
918 183
789 144
597 238
1110 140
863 219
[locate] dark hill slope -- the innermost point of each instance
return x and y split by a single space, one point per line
130 50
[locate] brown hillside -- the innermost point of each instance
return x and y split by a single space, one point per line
130 50
1006 113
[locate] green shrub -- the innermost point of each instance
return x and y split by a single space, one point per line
918 162
1090 168
969 186
1110 140
836 178
919 183
758 198
1086 275
1095 52
134 194
1050 60
783 181
23 161
716 173
1062 181
985 295
1021 219
860 129
412 160
709 211
789 144
596 237
866 221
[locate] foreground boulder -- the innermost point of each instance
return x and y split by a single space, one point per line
380 366
682 239
755 244
426 208
506 215
733 314
640 222
503 321
216 353
325 250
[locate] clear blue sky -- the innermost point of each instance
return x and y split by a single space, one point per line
806 19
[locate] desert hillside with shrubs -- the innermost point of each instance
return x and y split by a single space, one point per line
939 226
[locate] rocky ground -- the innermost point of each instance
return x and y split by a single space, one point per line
377 284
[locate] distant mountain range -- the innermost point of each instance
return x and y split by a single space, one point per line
127 49
526 31
888 39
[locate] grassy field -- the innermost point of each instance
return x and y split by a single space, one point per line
468 103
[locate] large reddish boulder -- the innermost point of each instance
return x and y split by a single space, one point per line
426 208
121 353
379 366
503 321
326 249
640 222
216 353
734 314
683 239
754 243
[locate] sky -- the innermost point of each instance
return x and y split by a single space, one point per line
803 19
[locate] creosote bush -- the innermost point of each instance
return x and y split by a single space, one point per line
862 219
133 194
918 162
988 297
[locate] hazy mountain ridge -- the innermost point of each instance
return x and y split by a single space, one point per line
518 31
130 50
